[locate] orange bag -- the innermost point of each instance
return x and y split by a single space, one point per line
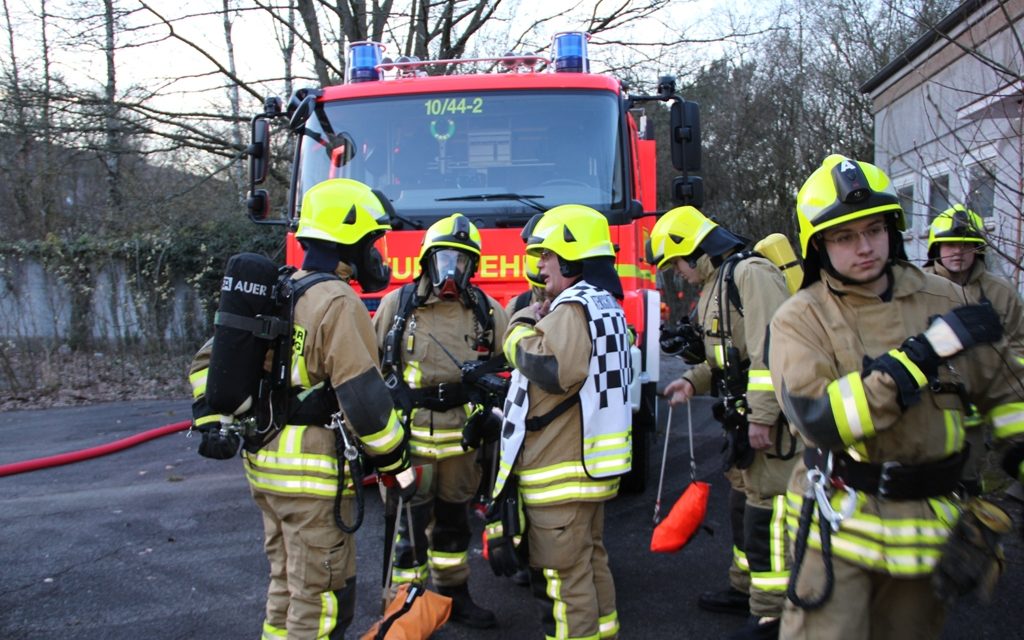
682 522
414 614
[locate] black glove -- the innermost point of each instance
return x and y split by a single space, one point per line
962 328
948 335
483 425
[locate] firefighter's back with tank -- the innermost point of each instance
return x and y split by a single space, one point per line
428 330
866 359
293 469
740 293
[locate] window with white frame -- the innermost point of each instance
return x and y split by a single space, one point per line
905 193
981 189
938 195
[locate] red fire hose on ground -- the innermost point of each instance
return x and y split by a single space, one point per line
59 459
92 452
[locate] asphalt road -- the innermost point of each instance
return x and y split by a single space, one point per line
157 542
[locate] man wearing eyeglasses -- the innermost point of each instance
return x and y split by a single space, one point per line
876 364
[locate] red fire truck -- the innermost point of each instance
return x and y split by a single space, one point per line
498 147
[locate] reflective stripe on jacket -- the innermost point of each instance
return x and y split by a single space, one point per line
569 459
819 341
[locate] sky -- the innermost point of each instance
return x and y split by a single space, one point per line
157 60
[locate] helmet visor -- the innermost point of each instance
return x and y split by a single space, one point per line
450 263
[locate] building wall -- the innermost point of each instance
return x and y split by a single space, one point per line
937 128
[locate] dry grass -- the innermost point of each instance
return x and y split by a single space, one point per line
40 379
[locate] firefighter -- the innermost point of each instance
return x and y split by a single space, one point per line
566 437
294 477
740 294
866 359
535 293
418 326
956 251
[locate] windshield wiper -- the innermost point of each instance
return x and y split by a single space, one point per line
486 197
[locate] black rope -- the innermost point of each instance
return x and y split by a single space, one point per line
357 481
800 548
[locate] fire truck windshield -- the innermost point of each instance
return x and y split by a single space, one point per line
496 156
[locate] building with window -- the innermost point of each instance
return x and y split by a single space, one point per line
949 125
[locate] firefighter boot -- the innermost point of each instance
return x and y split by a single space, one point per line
725 601
758 629
465 611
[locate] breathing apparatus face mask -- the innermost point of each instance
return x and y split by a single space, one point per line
449 271
370 265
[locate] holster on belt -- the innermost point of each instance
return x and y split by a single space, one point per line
893 480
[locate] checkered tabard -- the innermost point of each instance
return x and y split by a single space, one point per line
611 351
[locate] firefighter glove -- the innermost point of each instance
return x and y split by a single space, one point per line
972 558
962 328
483 425
403 483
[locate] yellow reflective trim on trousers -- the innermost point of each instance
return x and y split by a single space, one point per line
198 382
387 439
759 380
954 431
518 332
916 557
328 614
769 580
608 626
291 484
850 408
437 453
447 559
270 632
400 575
911 368
590 490
777 536
1007 420
739 558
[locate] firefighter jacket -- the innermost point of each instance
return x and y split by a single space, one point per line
762 289
568 419
437 434
820 341
198 371
983 285
332 340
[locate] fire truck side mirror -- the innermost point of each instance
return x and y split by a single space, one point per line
297 118
688 190
257 205
685 119
259 151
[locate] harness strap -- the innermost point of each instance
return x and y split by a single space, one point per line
893 480
537 423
